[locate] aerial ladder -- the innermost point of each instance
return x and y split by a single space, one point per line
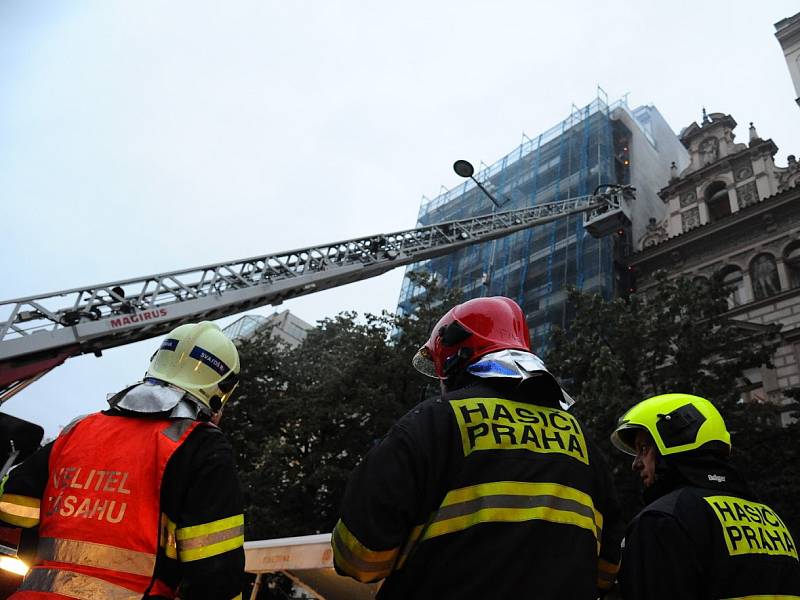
38 333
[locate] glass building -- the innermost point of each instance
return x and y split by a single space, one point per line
597 144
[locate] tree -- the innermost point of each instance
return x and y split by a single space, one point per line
678 337
304 418
249 420
326 399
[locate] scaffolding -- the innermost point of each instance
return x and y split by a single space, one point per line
536 266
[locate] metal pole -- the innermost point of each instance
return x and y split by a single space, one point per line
487 192
490 272
256 587
18 386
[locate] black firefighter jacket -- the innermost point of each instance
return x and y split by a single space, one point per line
200 493
709 542
477 495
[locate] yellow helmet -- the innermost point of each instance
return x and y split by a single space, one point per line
677 423
199 359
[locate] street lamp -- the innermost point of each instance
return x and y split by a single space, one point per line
464 168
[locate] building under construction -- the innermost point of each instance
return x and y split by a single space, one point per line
597 144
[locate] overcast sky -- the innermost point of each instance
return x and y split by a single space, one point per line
140 137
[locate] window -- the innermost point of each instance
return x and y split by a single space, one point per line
732 279
791 258
717 201
764 273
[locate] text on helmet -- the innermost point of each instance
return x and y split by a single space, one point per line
207 358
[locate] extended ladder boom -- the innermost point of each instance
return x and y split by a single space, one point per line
40 332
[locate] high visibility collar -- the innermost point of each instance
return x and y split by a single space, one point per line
515 364
151 397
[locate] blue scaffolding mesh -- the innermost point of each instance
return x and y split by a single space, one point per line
534 266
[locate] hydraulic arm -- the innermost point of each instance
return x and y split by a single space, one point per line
38 333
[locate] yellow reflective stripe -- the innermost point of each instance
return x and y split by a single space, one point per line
523 488
210 539
237 597
91 554
22 511
514 501
358 561
211 549
74 585
606 574
185 533
167 538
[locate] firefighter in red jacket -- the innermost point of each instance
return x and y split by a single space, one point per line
492 490
141 500
703 534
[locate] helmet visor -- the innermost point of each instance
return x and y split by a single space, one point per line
227 385
623 438
423 363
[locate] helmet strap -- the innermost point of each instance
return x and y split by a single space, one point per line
453 363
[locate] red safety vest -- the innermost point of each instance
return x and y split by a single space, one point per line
100 514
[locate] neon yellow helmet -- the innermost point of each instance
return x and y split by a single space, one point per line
677 423
199 359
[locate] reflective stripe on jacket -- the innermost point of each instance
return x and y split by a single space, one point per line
480 495
100 520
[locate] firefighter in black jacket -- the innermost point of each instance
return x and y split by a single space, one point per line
141 500
703 534
492 490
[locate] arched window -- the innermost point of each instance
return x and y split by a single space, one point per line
732 279
791 258
764 274
717 201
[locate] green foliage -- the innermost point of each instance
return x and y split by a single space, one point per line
303 418
769 456
677 338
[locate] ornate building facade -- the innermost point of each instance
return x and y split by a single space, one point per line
732 211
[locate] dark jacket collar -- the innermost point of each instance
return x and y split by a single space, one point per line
696 469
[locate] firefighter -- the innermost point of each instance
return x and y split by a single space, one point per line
703 533
141 500
492 490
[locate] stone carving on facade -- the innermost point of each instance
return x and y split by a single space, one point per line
654 235
709 149
690 219
747 194
790 176
742 169
743 173
764 275
688 198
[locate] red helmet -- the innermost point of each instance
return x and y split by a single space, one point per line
471 330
